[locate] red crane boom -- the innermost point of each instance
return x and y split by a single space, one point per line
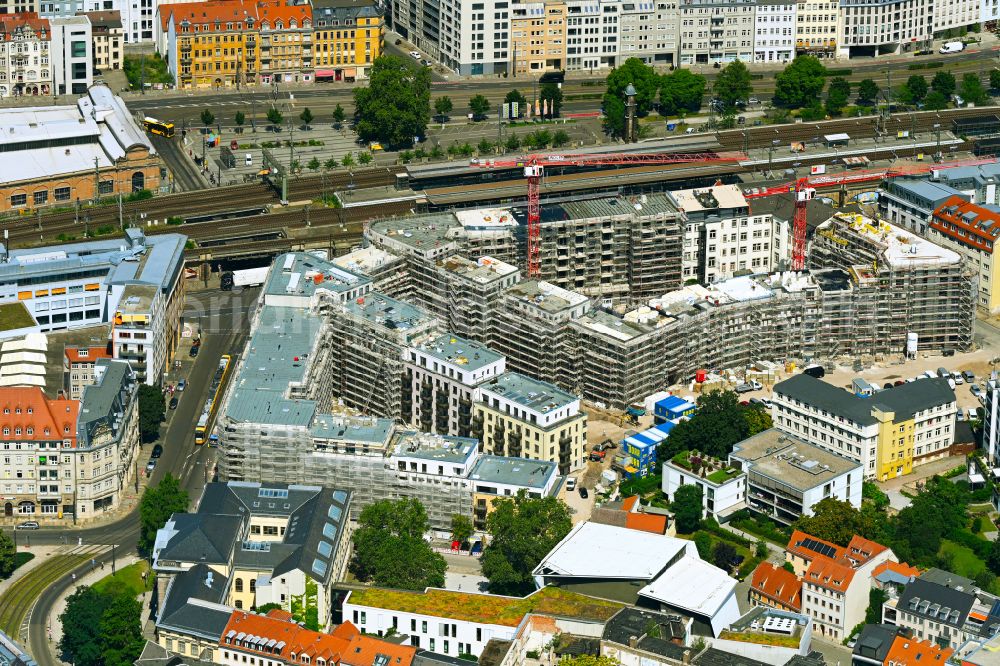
534 168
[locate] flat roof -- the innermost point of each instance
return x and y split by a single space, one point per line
513 471
546 296
485 218
383 310
836 137
436 448
612 326
709 198
790 460
901 248
365 260
352 429
421 232
485 608
624 553
482 270
467 354
529 392
691 585
304 274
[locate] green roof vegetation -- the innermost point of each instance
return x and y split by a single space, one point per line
14 316
488 609
759 638
696 463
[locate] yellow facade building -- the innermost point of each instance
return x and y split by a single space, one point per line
538 33
347 38
895 444
211 44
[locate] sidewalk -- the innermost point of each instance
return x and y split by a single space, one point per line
41 555
54 626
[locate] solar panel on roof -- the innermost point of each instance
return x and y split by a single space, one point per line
819 547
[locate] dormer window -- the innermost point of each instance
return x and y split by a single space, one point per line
17 431
17 410
31 431
47 431
31 410
6 431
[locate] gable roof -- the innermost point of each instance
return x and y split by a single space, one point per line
778 584
930 600
193 603
809 547
911 651
831 575
860 550
200 537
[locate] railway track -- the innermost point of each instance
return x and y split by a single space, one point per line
17 601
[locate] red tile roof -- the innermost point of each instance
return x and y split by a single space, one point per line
271 11
914 652
10 22
796 547
901 568
981 232
831 575
249 632
777 584
86 354
861 550
208 13
646 522
28 407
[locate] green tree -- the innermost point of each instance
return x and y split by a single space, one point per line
274 117
81 643
646 82
8 555
442 107
390 550
560 138
306 117
461 528
972 90
588 660
914 90
703 542
551 93
267 608
687 508
993 560
789 567
516 96
120 631
837 95
867 92
800 83
837 521
681 91
338 115
985 580
240 118
760 549
935 101
723 554
207 117
876 598
152 408
365 158
944 83
718 424
513 142
757 419
347 161
479 106
484 147
732 85
158 503
522 531
872 493
313 164
330 164
395 107
995 79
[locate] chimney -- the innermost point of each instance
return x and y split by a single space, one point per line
686 658
633 642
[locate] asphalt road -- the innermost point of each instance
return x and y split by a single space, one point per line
180 456
185 174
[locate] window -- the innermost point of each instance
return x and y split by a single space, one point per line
62 194
106 187
18 199
239 584
41 197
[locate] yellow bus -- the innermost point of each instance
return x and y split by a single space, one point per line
212 401
158 127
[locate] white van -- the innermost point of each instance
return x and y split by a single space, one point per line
571 484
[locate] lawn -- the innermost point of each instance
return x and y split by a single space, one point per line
128 579
21 558
14 316
965 562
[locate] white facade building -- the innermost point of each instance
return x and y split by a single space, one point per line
649 32
774 31
445 372
25 68
991 427
72 55
716 31
720 494
874 27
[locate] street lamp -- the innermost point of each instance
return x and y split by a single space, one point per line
770 154
937 131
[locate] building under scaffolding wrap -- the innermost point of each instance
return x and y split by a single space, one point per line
916 286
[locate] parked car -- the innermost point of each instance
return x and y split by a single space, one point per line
28 525
976 391
571 483
969 375
749 386
194 351
173 402
899 382
150 466
583 492
415 55
157 452
971 413
944 373
182 384
957 376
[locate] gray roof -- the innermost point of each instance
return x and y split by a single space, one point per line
513 471
931 192
715 657
629 622
905 400
425 658
103 20
782 206
202 537
104 400
875 640
304 274
789 460
467 354
341 9
529 392
317 518
193 603
12 654
929 600
436 448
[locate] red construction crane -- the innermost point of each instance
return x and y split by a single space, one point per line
534 168
804 189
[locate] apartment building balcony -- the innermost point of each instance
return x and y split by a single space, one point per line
185 48
718 20
251 41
